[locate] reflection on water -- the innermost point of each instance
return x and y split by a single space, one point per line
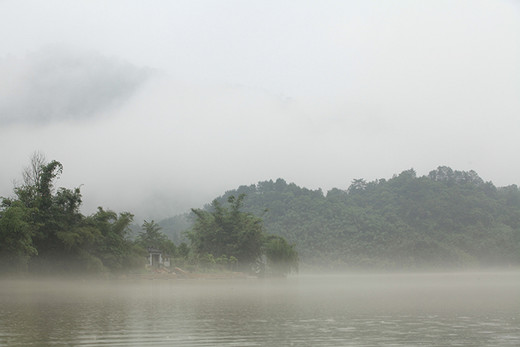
452 309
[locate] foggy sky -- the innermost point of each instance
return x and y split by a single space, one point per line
156 107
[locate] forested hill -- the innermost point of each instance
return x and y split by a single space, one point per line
447 218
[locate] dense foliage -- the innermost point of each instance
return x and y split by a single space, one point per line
444 219
226 232
152 237
43 232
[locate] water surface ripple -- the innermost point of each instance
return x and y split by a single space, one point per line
443 309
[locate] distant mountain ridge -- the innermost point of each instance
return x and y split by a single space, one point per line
444 219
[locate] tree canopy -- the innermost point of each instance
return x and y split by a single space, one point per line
43 231
447 218
226 231
152 237
444 219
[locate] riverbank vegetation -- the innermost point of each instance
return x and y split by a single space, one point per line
43 232
446 219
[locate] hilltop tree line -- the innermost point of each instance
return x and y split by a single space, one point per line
447 218
42 231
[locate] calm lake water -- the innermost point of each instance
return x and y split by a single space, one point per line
443 309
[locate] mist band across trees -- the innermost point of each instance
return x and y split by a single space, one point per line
446 219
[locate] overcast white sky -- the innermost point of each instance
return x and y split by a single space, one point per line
159 106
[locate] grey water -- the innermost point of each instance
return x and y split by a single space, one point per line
433 309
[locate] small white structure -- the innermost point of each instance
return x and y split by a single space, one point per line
157 259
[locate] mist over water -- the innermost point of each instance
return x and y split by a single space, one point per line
441 309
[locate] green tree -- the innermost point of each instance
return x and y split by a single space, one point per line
226 230
16 231
113 247
151 236
42 228
58 235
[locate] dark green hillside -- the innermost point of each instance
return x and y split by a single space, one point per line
447 218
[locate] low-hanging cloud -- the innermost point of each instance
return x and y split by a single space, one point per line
317 94
57 83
